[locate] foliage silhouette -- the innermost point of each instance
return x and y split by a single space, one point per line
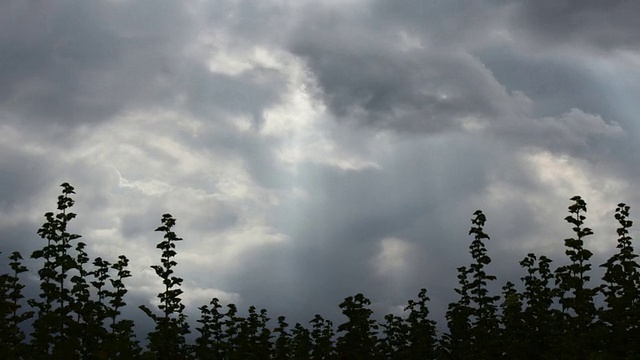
622 293
11 333
551 314
168 340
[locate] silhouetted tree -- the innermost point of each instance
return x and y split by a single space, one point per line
77 314
543 322
12 345
358 339
210 344
168 340
322 335
576 297
473 322
622 293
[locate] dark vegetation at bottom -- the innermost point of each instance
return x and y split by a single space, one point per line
552 314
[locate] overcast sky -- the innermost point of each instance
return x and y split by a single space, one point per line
311 150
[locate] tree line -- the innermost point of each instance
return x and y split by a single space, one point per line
553 313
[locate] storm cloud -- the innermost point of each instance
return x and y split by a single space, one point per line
312 150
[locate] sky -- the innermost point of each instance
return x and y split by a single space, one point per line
312 150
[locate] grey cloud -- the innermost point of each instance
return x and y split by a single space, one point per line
414 91
554 84
574 132
380 67
19 237
598 24
251 22
208 93
453 24
572 108
70 63
26 175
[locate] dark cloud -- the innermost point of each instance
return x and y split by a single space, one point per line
23 177
463 24
69 63
601 25
405 67
554 85
21 237
413 91
558 85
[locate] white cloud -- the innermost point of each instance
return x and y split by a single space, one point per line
392 257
